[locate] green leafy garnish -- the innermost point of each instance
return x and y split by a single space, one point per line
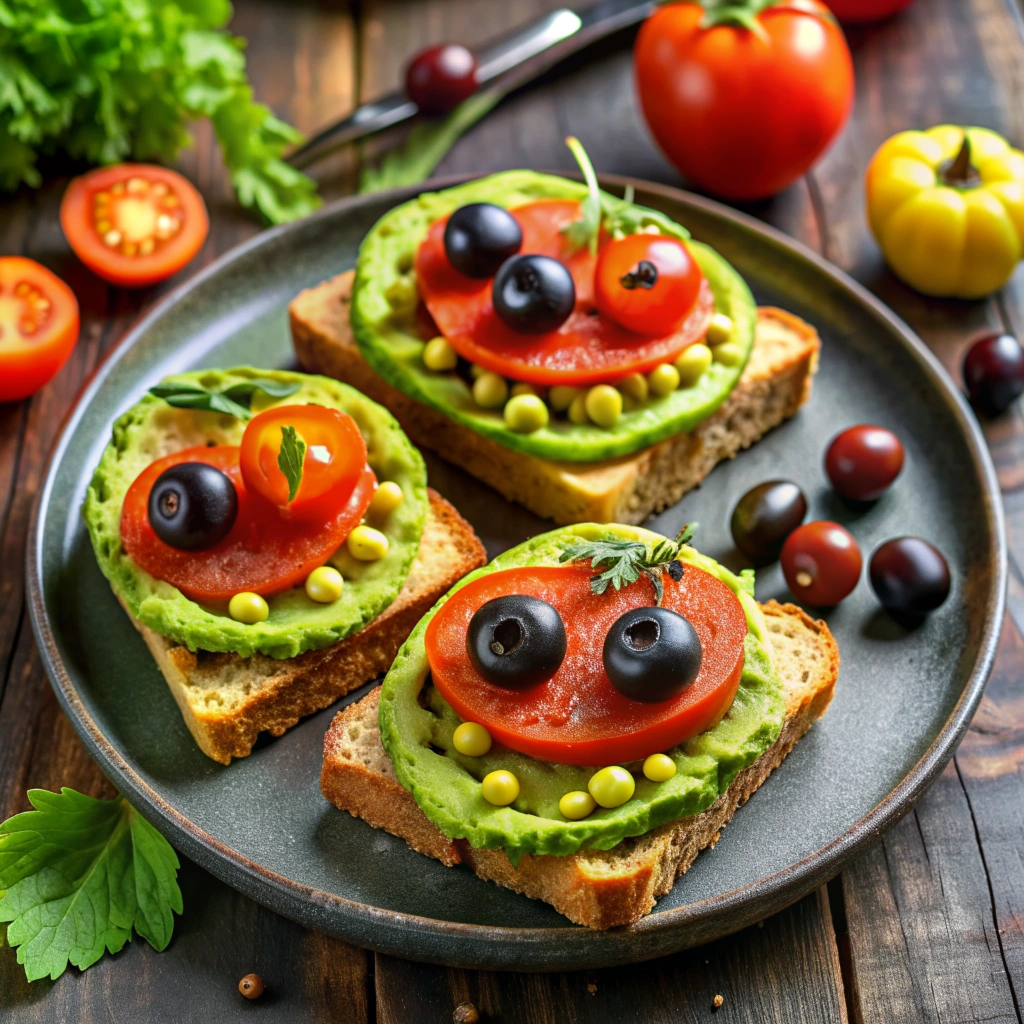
290 459
102 81
623 217
625 561
79 874
235 400
585 231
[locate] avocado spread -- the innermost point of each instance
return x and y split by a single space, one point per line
416 726
383 311
152 429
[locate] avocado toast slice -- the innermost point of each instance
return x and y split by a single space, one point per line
390 760
233 679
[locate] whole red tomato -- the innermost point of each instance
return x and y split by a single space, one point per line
866 10
744 99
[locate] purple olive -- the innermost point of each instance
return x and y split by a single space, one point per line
909 576
994 373
765 516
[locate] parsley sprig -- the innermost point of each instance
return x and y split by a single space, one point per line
234 400
623 562
290 459
77 874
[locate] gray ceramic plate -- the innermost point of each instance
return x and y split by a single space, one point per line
903 700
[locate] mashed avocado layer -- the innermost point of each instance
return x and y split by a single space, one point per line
386 335
416 726
152 429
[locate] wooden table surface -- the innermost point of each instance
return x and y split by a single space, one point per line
929 925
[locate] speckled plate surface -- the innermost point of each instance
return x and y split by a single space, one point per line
903 701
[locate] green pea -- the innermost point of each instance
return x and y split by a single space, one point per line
692 364
526 413
719 330
561 397
663 380
490 391
439 355
523 388
578 410
729 354
604 405
611 787
635 385
402 295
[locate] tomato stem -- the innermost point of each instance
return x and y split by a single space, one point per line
744 13
960 172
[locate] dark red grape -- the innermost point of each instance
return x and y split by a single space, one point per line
909 576
821 562
862 462
441 77
765 516
994 372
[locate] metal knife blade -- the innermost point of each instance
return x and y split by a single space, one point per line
554 36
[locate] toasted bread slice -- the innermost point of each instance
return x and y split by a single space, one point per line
227 700
600 889
775 383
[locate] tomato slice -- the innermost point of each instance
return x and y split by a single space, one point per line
577 716
134 224
264 552
38 326
334 458
587 349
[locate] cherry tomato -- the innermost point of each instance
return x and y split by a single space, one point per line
909 576
862 462
133 224
38 326
821 562
576 715
743 114
854 11
263 552
333 461
584 350
441 77
994 372
647 283
765 516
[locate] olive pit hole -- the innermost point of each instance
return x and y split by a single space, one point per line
507 636
643 635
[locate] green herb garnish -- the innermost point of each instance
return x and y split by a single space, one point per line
625 561
235 400
585 231
79 874
103 81
290 459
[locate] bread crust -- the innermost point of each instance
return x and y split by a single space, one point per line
596 888
775 383
227 700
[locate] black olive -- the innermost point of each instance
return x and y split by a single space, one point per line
909 576
479 237
534 294
765 516
994 373
516 641
652 654
192 506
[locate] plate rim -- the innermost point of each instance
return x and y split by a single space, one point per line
484 946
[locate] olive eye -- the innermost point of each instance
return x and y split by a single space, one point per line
652 654
516 641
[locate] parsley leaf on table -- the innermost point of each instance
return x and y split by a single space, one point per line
108 80
76 875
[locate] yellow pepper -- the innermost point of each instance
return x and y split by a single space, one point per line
947 208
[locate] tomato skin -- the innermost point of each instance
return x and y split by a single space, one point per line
743 116
187 217
263 553
585 350
657 310
29 357
577 716
322 482
856 11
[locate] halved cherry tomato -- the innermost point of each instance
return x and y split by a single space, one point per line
38 326
334 459
577 716
134 224
587 349
647 283
264 552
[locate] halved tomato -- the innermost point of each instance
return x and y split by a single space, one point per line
264 552
38 326
587 349
134 224
577 716
335 455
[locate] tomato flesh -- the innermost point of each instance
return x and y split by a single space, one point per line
577 716
264 552
587 349
134 224
334 458
38 326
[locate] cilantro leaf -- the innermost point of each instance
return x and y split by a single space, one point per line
290 459
235 400
79 875
623 217
585 231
